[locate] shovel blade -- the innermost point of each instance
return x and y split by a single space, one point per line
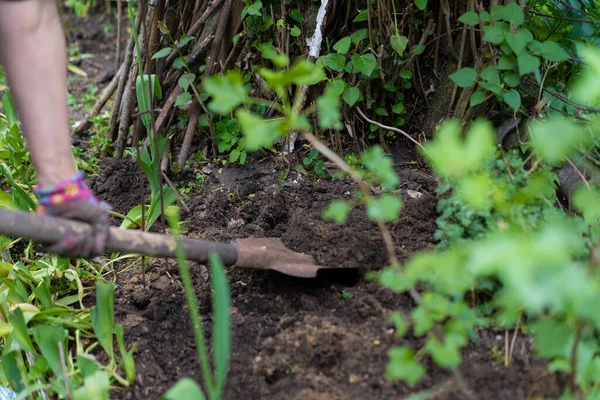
271 253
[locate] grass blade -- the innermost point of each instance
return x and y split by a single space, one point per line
103 316
221 325
47 338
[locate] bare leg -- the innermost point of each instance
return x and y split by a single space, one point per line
33 54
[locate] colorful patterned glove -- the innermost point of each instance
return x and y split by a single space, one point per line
72 199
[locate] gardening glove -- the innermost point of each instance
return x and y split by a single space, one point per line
6 393
72 199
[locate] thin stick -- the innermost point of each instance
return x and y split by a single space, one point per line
578 172
104 96
119 17
187 140
514 339
391 128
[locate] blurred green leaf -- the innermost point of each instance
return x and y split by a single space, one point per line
402 366
185 388
556 137
337 211
385 208
227 91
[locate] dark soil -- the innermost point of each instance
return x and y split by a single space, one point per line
323 338
309 339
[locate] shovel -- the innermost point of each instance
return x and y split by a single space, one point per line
254 253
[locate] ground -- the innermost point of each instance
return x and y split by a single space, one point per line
323 338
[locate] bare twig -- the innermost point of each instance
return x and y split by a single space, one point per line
390 128
426 33
187 140
119 21
104 96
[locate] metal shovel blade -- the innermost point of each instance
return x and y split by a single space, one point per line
271 253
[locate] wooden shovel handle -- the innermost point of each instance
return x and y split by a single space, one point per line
49 230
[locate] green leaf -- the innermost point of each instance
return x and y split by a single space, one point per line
162 53
183 99
398 108
513 13
337 211
381 111
360 34
385 208
19 332
402 366
47 338
497 12
95 386
184 82
513 99
381 166
507 62
469 18
337 86
485 16
399 43
103 316
586 89
221 323
362 16
512 79
518 41
401 323
333 61
143 84
328 109
184 39
258 132
446 354
477 98
418 49
297 15
493 34
405 74
421 4
536 47
464 77
552 51
551 338
451 156
227 91
527 64
365 64
555 138
587 201
185 388
343 45
351 95
252 9
490 74
295 31
9 110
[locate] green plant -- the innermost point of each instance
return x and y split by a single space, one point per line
148 87
521 55
459 221
214 380
546 272
311 159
